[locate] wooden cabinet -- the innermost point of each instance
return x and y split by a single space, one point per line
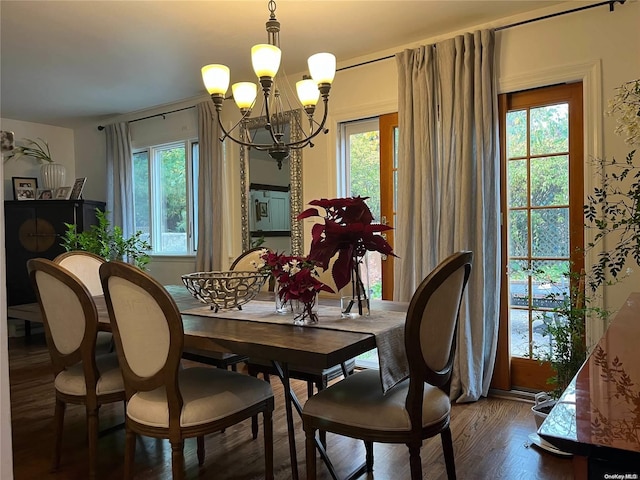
33 229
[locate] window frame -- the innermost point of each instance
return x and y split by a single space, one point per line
191 146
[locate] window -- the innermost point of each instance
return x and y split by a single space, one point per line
165 193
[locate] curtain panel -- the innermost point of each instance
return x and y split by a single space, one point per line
448 188
120 177
209 255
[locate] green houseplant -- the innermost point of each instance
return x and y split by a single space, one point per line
38 149
108 242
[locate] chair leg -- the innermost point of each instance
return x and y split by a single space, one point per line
414 460
254 419
447 448
200 450
58 421
129 453
177 459
368 446
322 434
267 426
310 449
92 433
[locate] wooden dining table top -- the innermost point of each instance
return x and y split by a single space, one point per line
313 347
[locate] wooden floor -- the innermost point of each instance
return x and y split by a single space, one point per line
490 440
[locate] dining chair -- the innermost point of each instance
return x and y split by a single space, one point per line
163 399
416 408
81 376
86 266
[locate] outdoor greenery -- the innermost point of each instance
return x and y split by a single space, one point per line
107 242
365 169
171 189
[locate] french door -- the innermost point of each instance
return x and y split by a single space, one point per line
542 222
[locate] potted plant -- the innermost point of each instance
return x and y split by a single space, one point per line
53 174
612 209
107 242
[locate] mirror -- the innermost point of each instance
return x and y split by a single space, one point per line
266 196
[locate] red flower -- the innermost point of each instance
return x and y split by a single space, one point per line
348 230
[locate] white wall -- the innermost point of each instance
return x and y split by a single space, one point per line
61 145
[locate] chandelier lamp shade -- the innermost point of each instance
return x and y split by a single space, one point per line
265 59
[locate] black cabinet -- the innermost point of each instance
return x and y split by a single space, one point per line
33 229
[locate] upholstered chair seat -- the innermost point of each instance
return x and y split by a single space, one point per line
208 394
72 382
358 401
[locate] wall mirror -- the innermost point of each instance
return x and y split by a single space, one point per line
271 198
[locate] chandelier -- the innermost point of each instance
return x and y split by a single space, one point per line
265 59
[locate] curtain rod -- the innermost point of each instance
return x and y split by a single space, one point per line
611 4
101 127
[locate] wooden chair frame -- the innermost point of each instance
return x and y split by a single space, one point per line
419 373
86 354
168 377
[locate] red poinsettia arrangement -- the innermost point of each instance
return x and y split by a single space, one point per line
297 277
349 231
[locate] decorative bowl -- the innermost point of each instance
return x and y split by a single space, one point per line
224 290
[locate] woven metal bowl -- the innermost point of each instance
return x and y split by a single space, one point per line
224 290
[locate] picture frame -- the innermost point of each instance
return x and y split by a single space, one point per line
63 193
78 185
45 194
24 188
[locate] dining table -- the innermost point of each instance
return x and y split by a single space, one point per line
257 330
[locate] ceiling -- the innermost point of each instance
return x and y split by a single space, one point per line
68 62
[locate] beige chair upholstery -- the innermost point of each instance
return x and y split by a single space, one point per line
70 324
418 407
164 400
86 266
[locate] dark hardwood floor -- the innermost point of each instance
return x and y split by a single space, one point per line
490 440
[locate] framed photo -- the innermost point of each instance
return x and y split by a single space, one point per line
24 188
78 185
63 193
45 194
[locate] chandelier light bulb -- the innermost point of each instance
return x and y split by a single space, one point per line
266 60
216 78
322 67
244 94
308 92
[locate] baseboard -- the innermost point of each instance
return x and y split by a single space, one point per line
517 395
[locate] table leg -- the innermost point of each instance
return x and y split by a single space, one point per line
283 373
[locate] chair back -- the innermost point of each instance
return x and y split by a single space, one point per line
85 266
69 315
244 262
432 320
147 328
247 261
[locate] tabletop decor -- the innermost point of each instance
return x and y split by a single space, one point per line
53 174
297 284
348 230
224 290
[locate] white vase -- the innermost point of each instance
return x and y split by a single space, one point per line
53 175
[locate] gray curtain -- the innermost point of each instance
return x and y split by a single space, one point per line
210 191
448 188
120 177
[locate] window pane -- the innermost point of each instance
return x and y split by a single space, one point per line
517 178
171 164
364 159
195 162
550 129
141 197
550 181
518 233
517 134
550 232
